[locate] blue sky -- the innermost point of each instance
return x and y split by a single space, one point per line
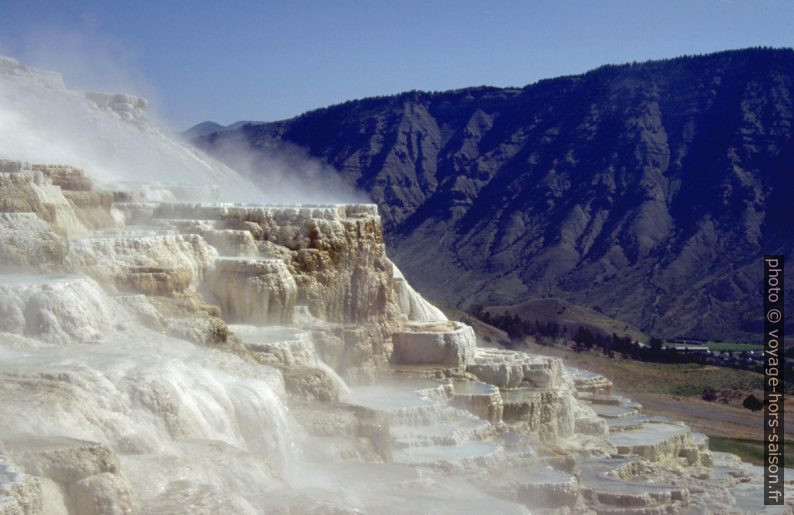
228 60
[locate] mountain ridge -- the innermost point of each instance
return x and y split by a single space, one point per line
648 189
208 127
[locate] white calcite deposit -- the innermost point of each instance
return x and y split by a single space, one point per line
446 343
30 191
415 307
254 290
199 356
54 308
20 493
28 243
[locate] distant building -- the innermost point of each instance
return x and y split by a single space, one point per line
692 348
690 341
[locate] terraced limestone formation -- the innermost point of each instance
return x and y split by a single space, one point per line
159 356
230 361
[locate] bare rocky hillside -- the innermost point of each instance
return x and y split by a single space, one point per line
648 190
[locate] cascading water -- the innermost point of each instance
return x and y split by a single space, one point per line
161 404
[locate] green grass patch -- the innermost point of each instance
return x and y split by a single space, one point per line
749 450
734 347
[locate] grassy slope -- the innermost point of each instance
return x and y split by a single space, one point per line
749 450
569 315
735 347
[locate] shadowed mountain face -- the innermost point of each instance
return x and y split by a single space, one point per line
649 190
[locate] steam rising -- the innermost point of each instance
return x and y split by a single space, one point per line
285 173
106 134
111 137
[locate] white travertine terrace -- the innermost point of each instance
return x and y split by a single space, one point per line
133 392
451 344
31 191
107 257
508 369
56 309
29 243
415 307
257 291
171 357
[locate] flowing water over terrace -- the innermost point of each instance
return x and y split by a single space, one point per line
170 411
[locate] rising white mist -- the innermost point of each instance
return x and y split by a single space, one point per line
285 173
112 137
109 135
